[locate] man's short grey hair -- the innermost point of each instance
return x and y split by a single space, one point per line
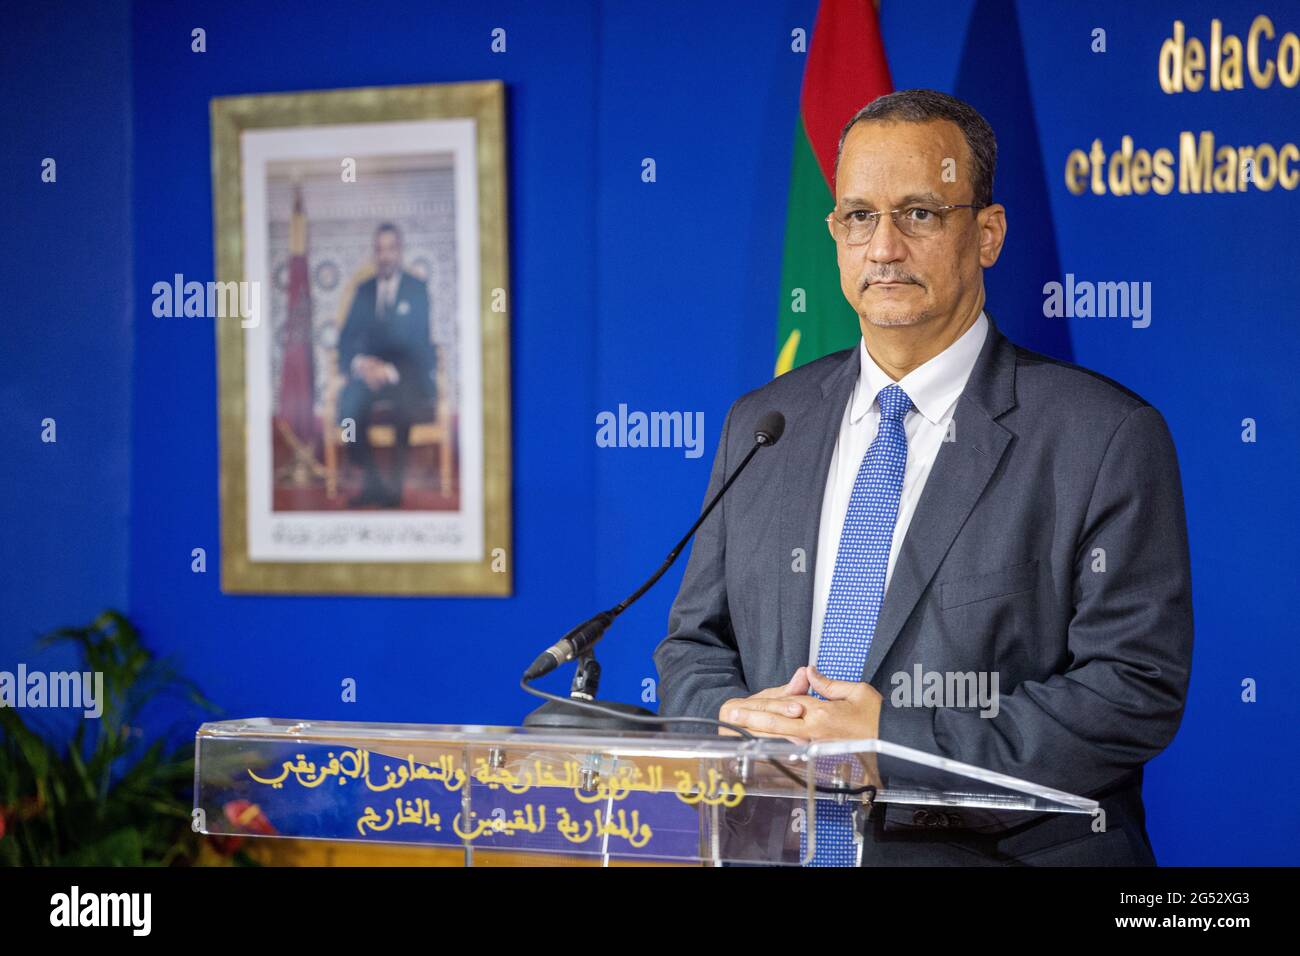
922 106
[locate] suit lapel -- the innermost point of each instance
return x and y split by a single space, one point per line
811 443
958 478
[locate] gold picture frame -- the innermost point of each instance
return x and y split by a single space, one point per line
402 108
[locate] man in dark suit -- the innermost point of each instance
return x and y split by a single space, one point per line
386 355
944 498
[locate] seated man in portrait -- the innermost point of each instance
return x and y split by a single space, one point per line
386 355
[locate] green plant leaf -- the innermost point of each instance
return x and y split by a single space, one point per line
108 797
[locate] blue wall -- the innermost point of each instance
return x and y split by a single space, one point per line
660 296
66 349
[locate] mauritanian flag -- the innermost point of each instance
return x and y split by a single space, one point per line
296 400
845 71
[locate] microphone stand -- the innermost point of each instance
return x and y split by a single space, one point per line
586 681
580 642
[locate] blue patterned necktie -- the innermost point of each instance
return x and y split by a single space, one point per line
857 591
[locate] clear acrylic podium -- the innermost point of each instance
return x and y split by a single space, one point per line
609 795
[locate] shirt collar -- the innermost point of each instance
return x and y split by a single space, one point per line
932 387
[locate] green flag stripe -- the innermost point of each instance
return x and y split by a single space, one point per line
825 321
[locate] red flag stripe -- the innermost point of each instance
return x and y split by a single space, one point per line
846 70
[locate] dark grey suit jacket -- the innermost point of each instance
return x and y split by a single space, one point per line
400 337
1050 463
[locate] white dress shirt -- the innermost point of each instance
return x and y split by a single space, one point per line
386 292
934 389
385 296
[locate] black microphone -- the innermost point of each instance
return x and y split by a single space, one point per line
582 638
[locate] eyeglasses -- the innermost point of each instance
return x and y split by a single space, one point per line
920 221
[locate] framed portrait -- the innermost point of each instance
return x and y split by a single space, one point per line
364 385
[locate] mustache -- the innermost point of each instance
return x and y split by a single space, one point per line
890 275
